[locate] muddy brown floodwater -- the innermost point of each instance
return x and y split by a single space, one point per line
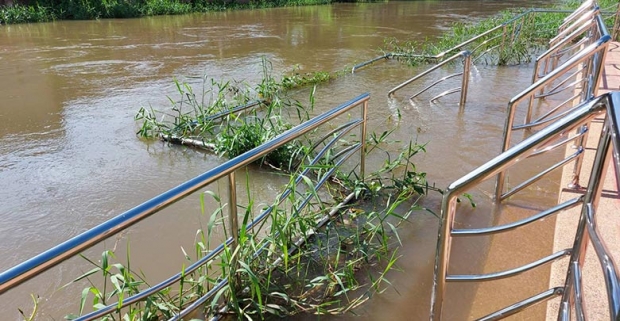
70 159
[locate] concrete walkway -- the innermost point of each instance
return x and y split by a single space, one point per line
595 296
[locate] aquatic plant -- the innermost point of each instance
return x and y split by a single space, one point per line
516 43
231 118
22 14
295 264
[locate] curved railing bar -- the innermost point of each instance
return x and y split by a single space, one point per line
426 72
610 272
576 24
508 273
39 263
517 224
484 43
598 46
553 49
235 110
556 108
348 152
556 90
565 80
580 133
348 126
486 52
540 122
202 300
299 178
540 175
522 305
344 150
586 5
578 44
446 93
435 83
577 290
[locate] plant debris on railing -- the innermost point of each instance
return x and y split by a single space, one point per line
230 118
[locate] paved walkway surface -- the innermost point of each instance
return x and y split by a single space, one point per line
606 215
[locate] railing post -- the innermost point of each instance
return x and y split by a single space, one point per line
593 194
501 48
363 138
232 203
616 30
442 255
595 70
465 82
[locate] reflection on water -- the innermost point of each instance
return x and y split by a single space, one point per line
69 157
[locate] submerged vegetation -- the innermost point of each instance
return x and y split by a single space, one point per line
305 259
515 43
318 252
230 118
298 265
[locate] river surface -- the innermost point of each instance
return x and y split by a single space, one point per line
70 159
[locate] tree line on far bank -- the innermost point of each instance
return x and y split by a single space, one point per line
21 11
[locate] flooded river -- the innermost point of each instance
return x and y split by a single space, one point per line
70 159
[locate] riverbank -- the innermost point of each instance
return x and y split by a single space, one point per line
49 10
25 11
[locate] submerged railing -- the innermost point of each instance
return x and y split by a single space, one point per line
466 55
607 105
580 24
60 253
587 63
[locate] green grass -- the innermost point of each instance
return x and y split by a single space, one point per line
191 116
338 268
519 44
47 10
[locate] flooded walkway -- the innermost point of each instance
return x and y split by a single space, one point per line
69 157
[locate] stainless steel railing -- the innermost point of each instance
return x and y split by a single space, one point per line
57 254
466 55
607 105
511 34
585 31
588 63
584 13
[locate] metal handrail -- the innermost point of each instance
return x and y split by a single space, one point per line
461 45
464 82
440 80
574 25
586 5
544 57
54 256
607 151
595 52
599 47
